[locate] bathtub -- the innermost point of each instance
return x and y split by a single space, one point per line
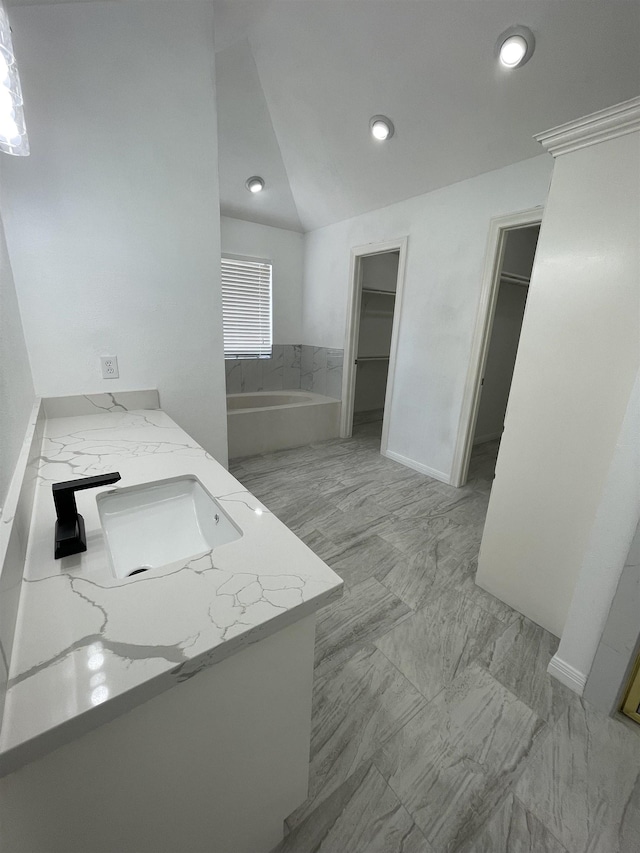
276 420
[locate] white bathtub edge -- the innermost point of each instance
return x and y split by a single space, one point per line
270 428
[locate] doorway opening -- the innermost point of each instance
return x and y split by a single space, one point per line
512 246
377 275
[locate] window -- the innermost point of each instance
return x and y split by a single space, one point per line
246 307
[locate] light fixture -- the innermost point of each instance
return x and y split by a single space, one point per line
13 133
381 128
515 46
255 184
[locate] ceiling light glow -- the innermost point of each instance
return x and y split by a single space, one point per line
513 51
515 46
381 128
255 184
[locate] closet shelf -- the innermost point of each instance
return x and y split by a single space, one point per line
514 278
372 358
381 292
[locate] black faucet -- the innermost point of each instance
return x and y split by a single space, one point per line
70 534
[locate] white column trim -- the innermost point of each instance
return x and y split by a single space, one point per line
617 120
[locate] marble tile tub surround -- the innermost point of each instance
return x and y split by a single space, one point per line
14 533
291 367
435 726
89 647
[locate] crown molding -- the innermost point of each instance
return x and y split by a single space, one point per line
590 130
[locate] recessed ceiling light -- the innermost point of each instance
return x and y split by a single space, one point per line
255 184
515 46
381 128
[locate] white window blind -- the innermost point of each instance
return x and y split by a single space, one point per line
246 307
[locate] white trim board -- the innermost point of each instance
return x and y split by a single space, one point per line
417 466
567 675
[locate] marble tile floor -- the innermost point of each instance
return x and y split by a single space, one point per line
435 727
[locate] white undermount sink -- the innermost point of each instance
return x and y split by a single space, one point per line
153 524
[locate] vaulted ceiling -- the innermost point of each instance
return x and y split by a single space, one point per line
298 80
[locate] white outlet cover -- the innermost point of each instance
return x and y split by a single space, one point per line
109 364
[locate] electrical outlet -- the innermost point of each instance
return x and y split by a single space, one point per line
109 365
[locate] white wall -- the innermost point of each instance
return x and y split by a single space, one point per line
577 360
285 249
447 232
380 272
520 250
113 221
376 323
16 386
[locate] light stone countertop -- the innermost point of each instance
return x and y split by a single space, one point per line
89 646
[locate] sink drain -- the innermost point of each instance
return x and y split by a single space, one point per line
137 571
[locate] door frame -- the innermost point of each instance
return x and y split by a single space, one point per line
353 329
498 228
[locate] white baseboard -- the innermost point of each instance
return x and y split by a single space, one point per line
567 675
417 466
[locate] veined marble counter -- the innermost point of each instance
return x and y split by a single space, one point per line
88 646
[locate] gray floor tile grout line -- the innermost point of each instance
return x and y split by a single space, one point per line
515 797
397 668
413 816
